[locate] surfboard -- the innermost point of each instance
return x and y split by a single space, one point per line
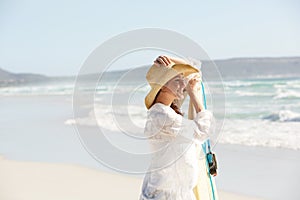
206 187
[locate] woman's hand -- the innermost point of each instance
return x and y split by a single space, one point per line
193 89
167 60
193 85
163 60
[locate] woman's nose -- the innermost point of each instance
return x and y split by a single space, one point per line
183 83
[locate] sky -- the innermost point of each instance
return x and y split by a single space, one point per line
56 37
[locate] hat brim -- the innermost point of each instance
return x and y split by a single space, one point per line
184 69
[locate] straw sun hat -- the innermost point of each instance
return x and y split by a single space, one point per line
158 75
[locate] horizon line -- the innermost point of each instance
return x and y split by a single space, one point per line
214 60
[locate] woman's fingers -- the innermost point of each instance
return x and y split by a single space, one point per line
162 60
193 84
193 81
156 62
166 60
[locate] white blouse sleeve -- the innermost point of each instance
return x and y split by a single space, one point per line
161 126
199 128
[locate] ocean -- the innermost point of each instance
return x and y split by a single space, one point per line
258 112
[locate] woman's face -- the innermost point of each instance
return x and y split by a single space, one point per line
176 86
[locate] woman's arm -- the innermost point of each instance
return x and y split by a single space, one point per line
193 88
167 60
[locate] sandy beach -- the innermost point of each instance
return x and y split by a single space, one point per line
22 180
44 159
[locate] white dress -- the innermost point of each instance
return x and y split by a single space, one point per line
173 172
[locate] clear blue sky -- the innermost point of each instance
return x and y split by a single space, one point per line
55 37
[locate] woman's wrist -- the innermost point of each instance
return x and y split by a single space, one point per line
196 102
178 60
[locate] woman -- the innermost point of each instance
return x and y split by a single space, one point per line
174 168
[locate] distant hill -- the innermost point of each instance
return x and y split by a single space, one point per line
235 68
8 78
241 68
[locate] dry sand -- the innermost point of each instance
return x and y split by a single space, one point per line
21 180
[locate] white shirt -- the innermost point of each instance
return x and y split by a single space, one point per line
173 139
